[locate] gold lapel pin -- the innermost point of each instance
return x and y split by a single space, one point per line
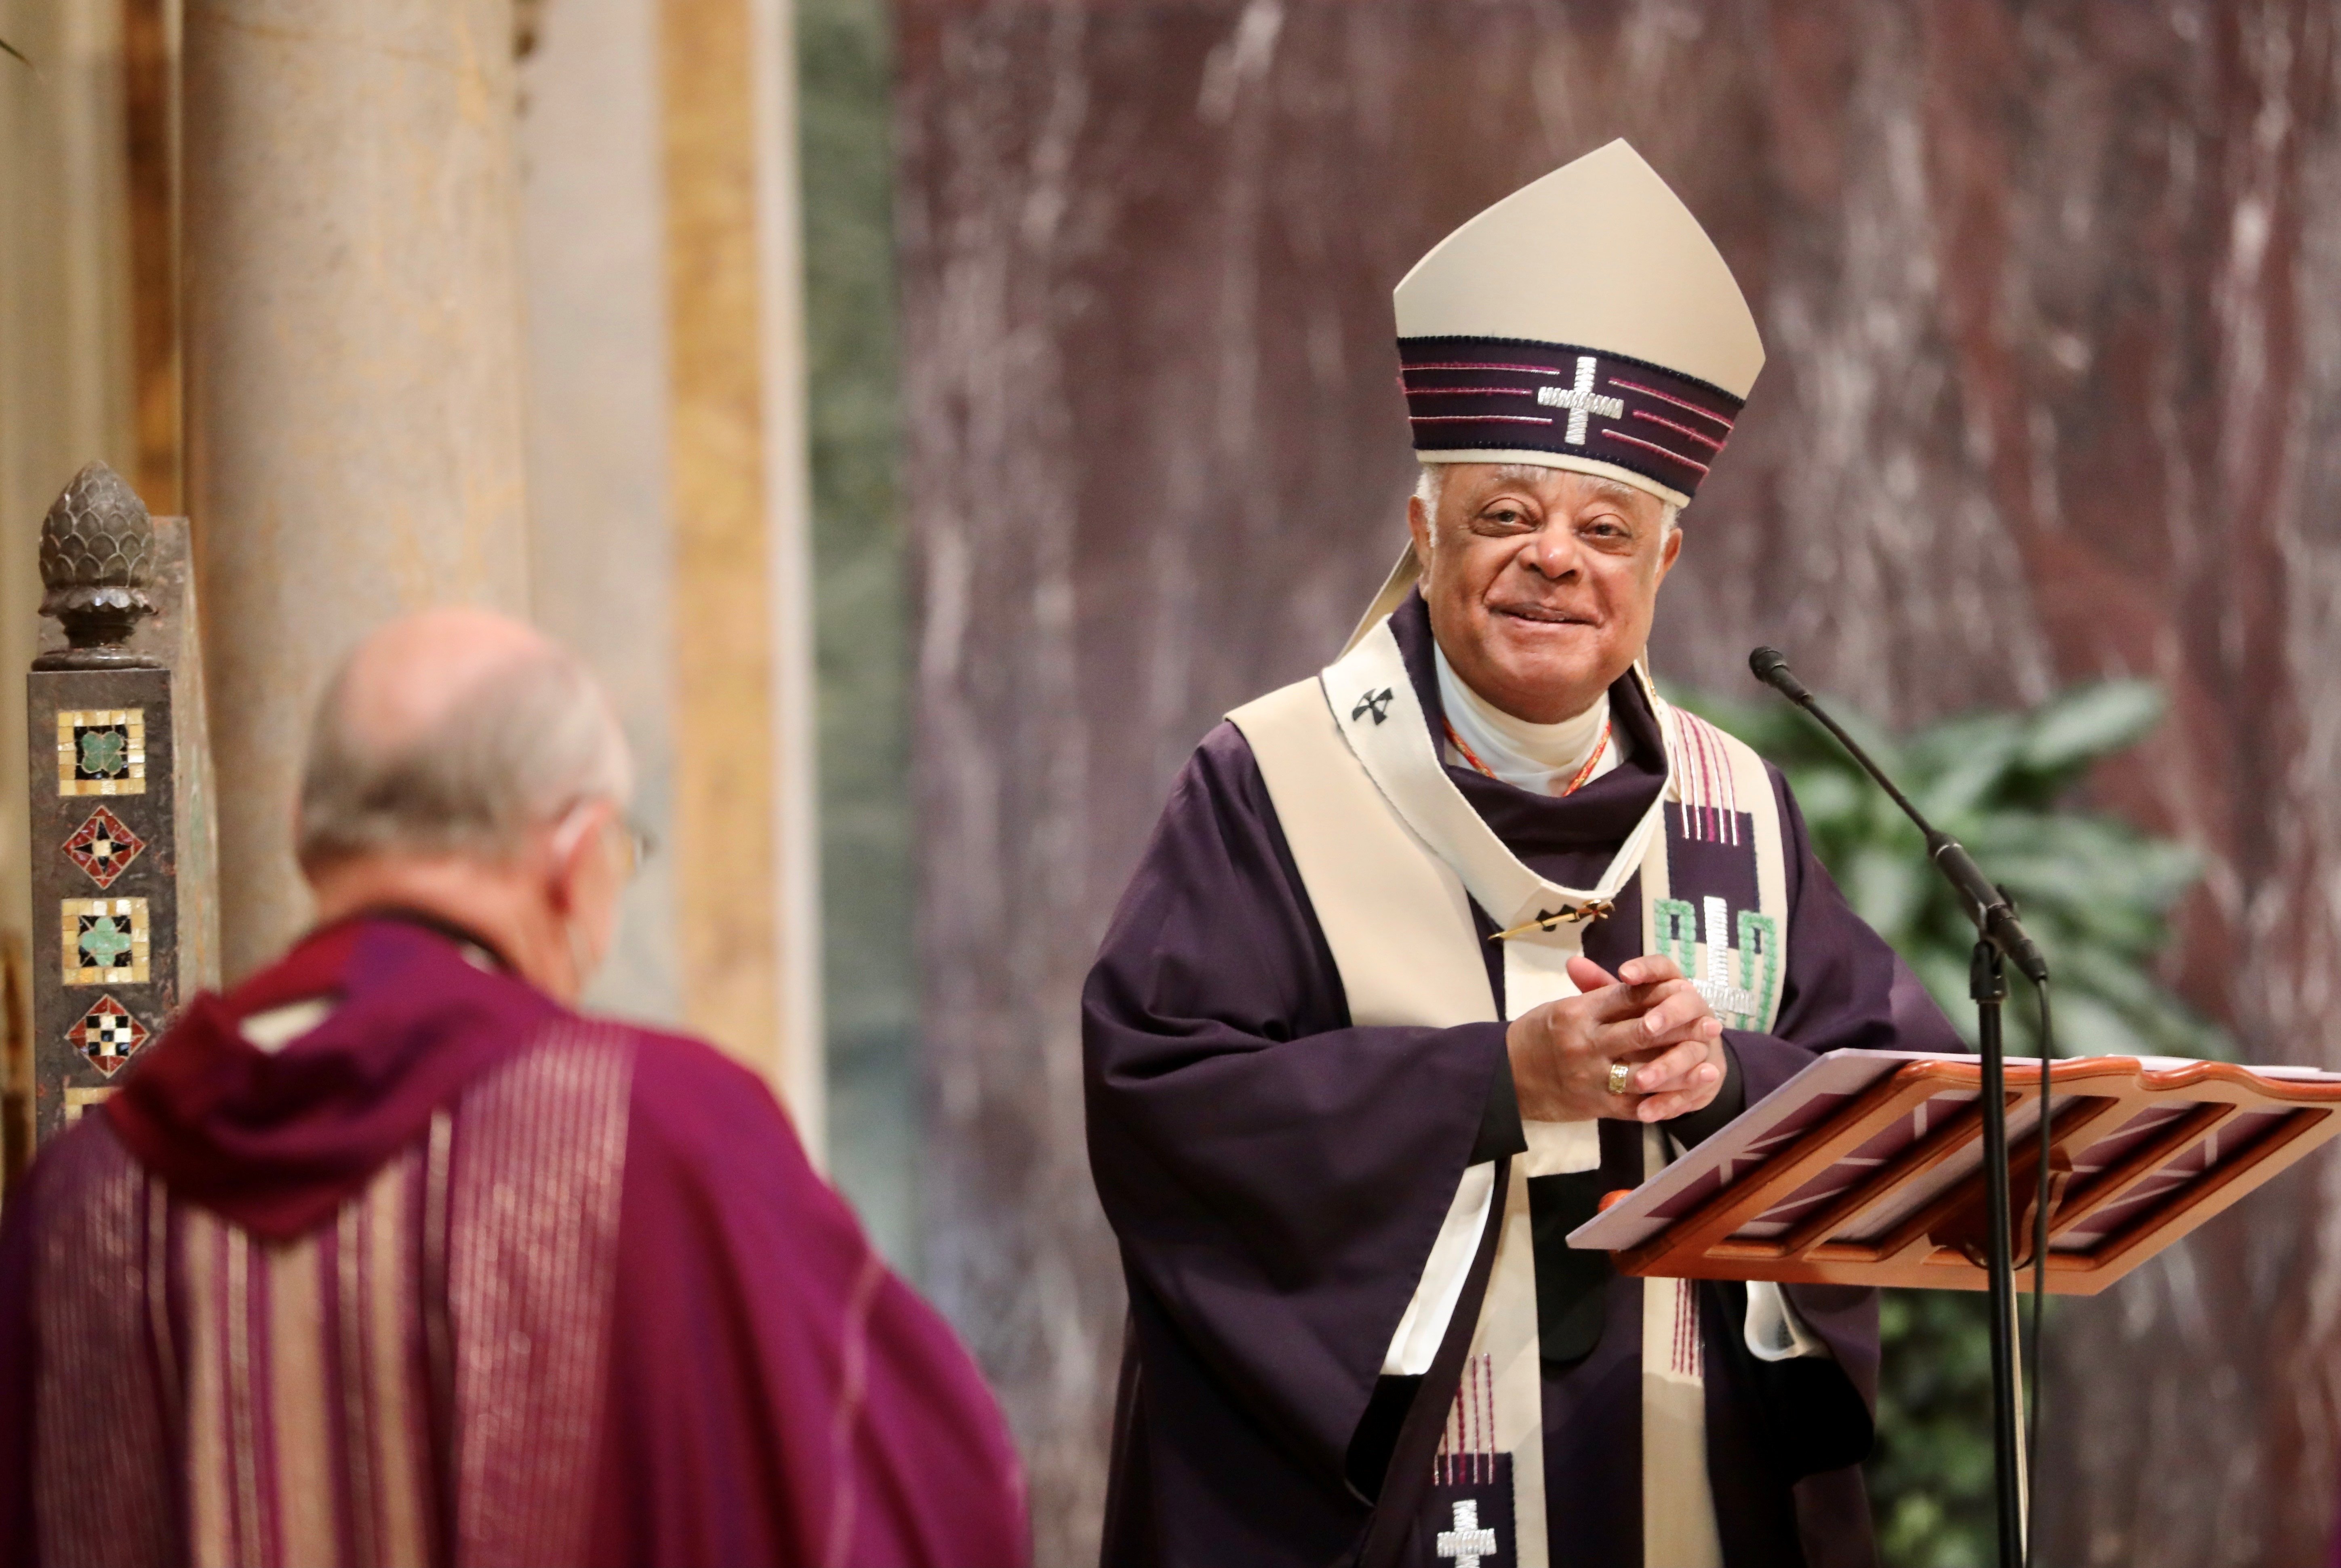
1549 920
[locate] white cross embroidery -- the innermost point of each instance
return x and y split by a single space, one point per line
1716 985
1580 401
1466 1543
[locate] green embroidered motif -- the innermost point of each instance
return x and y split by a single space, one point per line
104 940
1759 964
1739 982
1678 933
103 752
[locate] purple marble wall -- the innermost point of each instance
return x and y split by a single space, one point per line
2053 294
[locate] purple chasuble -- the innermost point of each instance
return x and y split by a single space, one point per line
461 1277
1276 1177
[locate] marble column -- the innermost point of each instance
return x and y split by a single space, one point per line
355 407
593 218
667 479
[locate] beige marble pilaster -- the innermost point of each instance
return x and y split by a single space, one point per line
747 915
354 394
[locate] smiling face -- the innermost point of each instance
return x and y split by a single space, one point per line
1542 582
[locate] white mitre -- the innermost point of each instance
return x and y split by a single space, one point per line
1585 321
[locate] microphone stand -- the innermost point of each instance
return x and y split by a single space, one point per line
2000 941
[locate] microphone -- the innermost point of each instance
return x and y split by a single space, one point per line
1987 906
1771 667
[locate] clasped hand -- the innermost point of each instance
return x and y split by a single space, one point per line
1647 1014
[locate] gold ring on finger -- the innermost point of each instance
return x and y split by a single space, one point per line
1621 1073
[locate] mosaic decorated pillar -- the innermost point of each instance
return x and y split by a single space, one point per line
103 862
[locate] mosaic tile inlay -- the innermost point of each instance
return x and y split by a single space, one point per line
79 1099
104 847
101 751
105 942
107 1033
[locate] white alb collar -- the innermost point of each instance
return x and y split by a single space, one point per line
1539 758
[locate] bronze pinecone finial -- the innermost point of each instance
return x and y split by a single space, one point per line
97 555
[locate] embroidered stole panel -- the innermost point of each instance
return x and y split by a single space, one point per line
290 1403
1393 858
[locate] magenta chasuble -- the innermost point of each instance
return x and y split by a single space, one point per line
461 1277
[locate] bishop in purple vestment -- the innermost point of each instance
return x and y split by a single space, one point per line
391 1255
1278 1172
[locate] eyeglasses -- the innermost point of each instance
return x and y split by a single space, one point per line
631 843
636 843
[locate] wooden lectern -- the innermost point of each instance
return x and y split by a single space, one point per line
1866 1168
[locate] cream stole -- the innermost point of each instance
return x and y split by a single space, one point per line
1393 857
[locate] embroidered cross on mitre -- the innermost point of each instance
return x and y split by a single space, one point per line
1581 400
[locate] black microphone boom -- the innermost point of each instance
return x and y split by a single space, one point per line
1993 916
1998 935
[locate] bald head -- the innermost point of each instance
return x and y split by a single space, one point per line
407 677
454 732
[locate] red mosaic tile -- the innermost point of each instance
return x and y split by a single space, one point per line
107 1034
104 847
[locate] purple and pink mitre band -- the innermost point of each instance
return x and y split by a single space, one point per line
1510 395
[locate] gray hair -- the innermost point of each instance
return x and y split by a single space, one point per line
530 739
1433 480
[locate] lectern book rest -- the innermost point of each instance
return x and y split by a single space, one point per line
1866 1168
